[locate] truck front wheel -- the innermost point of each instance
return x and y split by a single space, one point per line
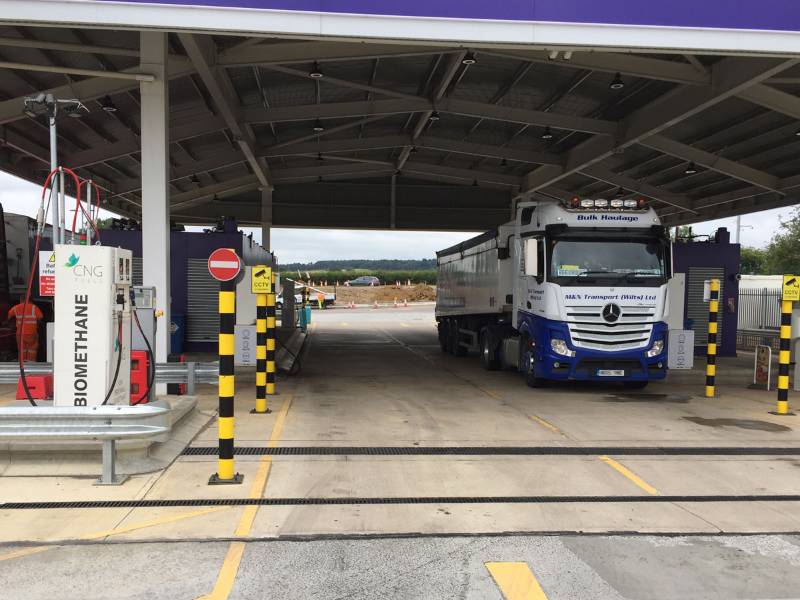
526 366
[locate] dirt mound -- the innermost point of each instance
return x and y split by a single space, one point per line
384 293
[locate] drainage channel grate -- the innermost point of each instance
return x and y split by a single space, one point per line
408 500
498 450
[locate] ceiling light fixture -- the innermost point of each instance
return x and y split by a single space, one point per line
504 163
316 73
617 83
108 105
318 126
469 59
547 134
434 116
691 168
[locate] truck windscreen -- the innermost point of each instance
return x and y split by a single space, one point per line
640 262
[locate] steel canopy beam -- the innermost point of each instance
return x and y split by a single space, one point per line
304 52
626 64
730 76
712 161
600 173
776 100
487 150
201 52
91 89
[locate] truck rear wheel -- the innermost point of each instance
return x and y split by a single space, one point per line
442 330
489 356
456 349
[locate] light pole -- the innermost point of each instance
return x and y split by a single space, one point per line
48 105
739 228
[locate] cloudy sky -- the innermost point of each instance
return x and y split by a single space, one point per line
306 245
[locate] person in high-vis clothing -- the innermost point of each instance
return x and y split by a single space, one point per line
27 319
321 299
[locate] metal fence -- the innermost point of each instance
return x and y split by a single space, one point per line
759 318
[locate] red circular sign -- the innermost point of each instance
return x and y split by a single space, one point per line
224 264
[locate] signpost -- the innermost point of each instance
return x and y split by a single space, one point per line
261 286
224 265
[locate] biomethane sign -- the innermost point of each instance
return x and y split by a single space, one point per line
775 15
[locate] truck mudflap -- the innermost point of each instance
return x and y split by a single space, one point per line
590 365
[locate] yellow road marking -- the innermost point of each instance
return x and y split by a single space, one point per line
405 325
117 531
233 558
625 472
344 324
516 581
546 424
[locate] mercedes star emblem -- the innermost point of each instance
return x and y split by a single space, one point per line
611 313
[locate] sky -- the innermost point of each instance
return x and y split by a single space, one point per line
308 245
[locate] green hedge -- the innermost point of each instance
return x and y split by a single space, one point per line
386 277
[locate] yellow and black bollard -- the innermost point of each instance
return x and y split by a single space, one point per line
271 322
261 286
261 354
227 318
784 357
711 354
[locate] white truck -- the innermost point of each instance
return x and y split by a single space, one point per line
573 290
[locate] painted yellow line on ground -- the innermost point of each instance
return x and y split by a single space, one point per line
405 325
516 581
344 324
489 393
233 558
546 424
626 472
117 531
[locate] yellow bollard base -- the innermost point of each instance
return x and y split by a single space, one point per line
782 414
255 411
215 480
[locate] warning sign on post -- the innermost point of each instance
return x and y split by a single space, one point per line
791 288
260 279
47 273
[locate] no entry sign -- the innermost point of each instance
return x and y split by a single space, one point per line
224 264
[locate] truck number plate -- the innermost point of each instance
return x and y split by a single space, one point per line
611 372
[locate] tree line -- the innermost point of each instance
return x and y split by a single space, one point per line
387 264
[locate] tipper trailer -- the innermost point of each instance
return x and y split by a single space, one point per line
573 290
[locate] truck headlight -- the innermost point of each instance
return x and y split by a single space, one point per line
560 347
658 348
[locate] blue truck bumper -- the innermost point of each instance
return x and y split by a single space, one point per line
592 365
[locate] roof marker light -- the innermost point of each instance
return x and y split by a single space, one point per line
587 203
617 203
601 203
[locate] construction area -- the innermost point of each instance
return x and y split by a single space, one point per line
584 405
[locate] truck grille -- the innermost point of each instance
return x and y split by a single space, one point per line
630 330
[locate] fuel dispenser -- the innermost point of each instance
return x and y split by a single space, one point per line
92 339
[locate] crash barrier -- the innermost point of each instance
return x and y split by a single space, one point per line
106 424
227 317
188 373
711 354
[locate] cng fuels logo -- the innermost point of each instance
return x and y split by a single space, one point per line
83 270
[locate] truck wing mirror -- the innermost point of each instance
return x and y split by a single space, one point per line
532 257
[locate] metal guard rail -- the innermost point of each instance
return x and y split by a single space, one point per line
190 373
105 424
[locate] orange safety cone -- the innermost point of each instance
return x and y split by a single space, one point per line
352 304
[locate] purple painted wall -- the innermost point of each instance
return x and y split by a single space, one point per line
719 255
777 15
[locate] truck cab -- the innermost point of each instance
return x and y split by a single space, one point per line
590 291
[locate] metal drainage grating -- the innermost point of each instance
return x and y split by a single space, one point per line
406 500
495 451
